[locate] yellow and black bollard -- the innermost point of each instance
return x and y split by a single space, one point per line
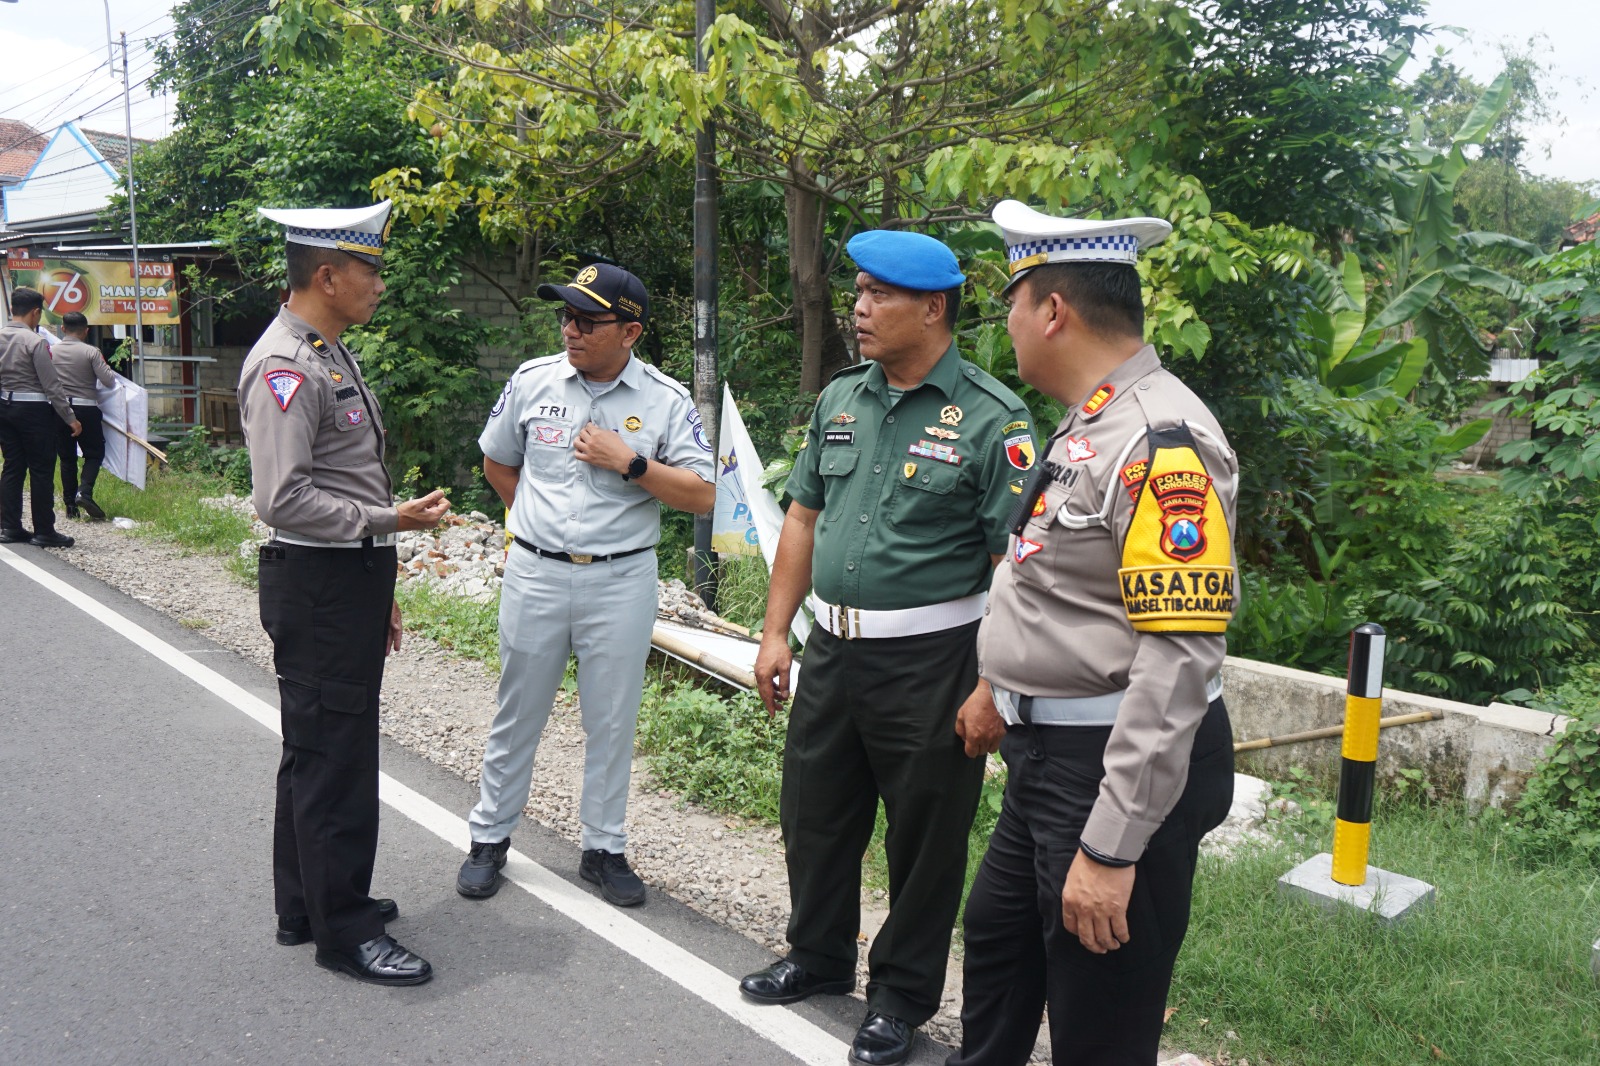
1363 706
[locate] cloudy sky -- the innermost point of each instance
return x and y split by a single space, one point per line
55 66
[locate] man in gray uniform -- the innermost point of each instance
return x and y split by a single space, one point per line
80 365
31 403
1103 648
581 447
316 444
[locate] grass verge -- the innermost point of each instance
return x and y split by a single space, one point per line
169 508
1496 971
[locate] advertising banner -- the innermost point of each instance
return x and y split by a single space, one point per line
100 288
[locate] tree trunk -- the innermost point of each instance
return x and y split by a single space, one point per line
809 280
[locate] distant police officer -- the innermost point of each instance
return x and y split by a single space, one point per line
582 447
909 467
1103 648
32 404
80 366
316 444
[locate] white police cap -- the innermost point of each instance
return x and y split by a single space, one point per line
1034 238
360 231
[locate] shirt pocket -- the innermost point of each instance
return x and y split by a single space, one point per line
547 449
350 412
922 505
1033 553
609 483
834 467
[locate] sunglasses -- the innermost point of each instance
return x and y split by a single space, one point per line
584 323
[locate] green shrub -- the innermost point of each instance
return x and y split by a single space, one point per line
725 754
1558 815
193 454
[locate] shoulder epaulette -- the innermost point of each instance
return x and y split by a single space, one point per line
665 378
990 384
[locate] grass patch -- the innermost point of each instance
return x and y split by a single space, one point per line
471 630
169 508
1496 971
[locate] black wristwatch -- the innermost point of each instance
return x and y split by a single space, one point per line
636 468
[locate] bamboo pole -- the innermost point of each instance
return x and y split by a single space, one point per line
1333 731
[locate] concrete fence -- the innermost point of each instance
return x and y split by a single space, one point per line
1484 753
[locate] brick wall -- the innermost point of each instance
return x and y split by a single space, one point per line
1504 430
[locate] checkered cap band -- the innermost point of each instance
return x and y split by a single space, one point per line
349 236
1118 247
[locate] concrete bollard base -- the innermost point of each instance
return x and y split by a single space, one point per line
1391 897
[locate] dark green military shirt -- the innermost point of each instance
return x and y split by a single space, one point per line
914 493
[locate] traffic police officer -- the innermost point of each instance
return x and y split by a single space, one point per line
581 446
80 366
909 466
31 404
1103 646
316 444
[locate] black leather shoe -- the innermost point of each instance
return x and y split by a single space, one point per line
72 510
480 874
15 536
51 540
292 931
86 501
380 961
610 870
882 1041
786 982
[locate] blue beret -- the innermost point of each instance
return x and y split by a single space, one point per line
909 260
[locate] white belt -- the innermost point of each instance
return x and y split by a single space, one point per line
384 541
79 401
1098 710
853 623
26 397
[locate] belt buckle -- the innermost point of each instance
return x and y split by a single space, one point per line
581 560
847 620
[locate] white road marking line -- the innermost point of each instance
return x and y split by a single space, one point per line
804 1040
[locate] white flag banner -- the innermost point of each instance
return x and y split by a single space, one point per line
747 519
126 410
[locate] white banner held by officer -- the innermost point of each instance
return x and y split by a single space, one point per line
126 410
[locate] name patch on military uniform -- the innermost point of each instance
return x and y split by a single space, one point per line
929 450
284 384
1079 449
1019 451
838 436
349 392
1177 561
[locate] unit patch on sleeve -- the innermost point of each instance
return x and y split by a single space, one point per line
1011 427
500 404
1177 561
699 429
1079 449
284 384
1132 477
1019 451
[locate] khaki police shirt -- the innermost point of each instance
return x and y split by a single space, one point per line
315 436
565 504
25 366
1061 620
79 365
913 493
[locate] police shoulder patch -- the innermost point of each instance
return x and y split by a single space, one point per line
284 384
1177 561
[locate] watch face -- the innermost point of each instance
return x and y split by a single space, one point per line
638 466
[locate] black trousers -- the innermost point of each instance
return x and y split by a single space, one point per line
877 718
327 612
93 442
1105 1010
28 442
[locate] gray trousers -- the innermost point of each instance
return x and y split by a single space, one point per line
603 613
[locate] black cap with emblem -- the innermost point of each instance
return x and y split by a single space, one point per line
601 288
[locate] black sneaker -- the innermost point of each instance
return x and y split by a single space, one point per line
618 883
15 536
480 874
52 540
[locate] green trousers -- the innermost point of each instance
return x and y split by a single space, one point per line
871 719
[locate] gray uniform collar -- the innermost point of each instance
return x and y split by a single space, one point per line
632 373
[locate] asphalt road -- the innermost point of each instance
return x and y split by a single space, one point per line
136 899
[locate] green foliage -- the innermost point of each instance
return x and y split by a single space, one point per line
725 754
193 455
470 630
169 508
1558 815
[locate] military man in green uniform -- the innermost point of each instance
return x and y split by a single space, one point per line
910 466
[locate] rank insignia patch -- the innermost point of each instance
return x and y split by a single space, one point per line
284 384
1079 449
842 419
927 449
1025 548
632 424
1019 451
941 433
356 417
1016 486
1101 397
950 416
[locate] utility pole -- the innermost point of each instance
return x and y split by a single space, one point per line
706 395
133 216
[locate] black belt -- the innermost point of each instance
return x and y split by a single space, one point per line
582 560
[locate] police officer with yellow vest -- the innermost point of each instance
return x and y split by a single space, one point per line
908 469
316 444
1102 646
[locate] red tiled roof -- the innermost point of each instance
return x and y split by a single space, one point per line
113 146
20 145
1581 232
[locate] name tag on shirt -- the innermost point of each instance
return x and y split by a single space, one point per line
838 436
